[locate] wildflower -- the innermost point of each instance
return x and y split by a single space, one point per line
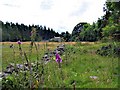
93 77
19 66
19 42
0 74
58 58
36 85
53 58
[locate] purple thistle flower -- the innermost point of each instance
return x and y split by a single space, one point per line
58 58
19 42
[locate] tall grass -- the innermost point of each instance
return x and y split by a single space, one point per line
81 67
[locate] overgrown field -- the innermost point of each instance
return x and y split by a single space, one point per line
83 66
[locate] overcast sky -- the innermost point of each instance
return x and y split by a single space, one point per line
61 15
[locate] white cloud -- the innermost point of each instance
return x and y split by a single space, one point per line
61 15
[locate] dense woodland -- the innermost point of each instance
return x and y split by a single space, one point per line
14 32
107 27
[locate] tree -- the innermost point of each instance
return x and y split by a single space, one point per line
113 26
14 32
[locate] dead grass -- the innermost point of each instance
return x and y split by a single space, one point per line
50 43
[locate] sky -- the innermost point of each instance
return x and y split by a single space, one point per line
61 15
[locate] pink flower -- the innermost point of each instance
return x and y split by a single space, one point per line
58 58
19 42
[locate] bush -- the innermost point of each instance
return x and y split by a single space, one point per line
109 50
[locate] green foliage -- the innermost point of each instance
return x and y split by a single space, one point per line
106 26
113 26
66 36
15 32
80 64
87 33
108 30
109 50
33 34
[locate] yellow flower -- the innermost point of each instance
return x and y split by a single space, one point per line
36 84
53 57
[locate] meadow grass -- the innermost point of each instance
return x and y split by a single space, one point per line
8 54
80 64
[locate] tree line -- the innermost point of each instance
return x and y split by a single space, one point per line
15 32
106 27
